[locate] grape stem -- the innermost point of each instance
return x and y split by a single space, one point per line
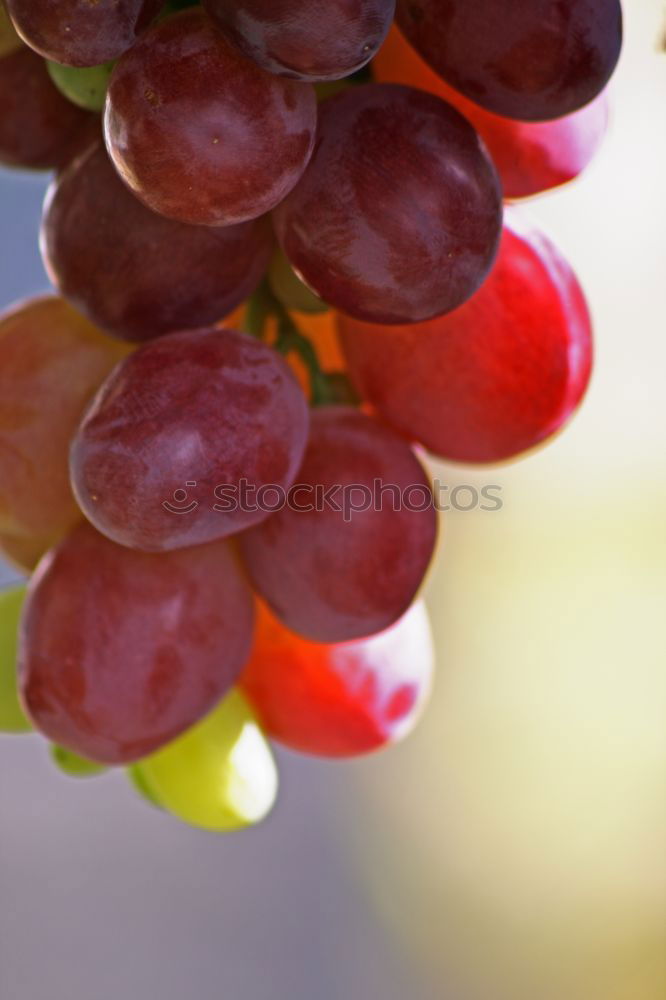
263 305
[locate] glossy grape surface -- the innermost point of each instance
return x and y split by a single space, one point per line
305 39
531 157
12 716
52 361
135 273
398 215
219 775
181 418
37 124
330 578
202 134
344 699
528 59
497 376
81 32
121 651
84 86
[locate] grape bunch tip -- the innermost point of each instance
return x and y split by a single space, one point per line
285 262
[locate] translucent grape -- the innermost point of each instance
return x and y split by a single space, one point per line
52 361
219 775
344 699
497 376
121 651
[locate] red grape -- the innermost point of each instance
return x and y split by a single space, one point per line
37 124
335 574
343 699
81 32
200 133
135 273
121 651
495 377
526 59
52 361
398 215
531 157
305 39
197 413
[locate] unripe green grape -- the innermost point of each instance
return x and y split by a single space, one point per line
219 776
84 86
12 717
290 290
9 40
74 765
140 785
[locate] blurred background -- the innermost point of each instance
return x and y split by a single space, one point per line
515 847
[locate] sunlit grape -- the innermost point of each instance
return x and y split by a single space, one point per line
219 775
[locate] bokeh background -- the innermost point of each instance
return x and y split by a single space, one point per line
515 847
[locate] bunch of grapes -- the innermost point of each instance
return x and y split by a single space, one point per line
283 260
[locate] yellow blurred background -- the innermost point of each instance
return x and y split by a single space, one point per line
519 838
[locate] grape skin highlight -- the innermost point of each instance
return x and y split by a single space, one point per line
200 133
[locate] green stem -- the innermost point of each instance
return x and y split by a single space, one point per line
264 304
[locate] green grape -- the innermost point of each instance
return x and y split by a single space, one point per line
140 785
9 40
290 290
84 86
220 775
12 718
74 765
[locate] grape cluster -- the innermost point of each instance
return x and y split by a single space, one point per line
279 237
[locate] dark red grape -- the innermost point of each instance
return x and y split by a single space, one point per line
398 215
531 157
200 133
495 377
305 39
38 126
188 419
81 32
121 651
336 574
343 699
526 59
135 273
52 361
